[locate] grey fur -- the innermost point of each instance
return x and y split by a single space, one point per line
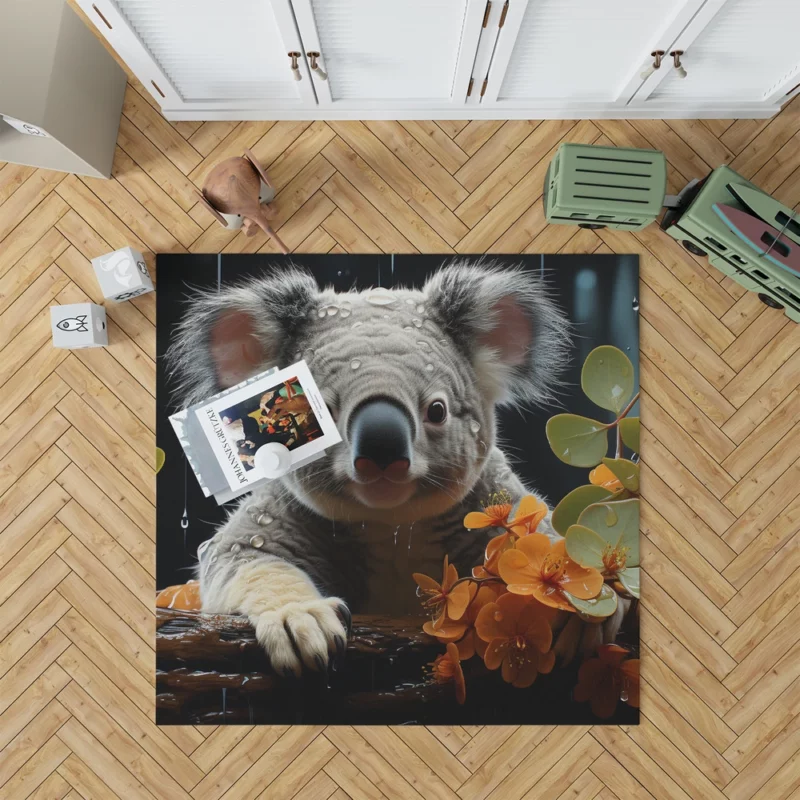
424 345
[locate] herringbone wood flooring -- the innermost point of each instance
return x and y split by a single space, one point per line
721 375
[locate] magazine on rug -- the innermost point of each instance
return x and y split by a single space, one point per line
223 435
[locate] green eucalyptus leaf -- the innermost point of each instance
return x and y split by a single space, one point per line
161 457
629 430
579 441
604 605
629 578
607 378
626 471
585 546
616 522
566 513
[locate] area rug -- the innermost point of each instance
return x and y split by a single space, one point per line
428 515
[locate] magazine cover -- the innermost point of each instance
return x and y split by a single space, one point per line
454 538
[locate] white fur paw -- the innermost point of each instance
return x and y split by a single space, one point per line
309 633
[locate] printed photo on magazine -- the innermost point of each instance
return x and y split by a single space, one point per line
284 407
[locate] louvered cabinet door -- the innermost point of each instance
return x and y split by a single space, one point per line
208 55
557 54
390 54
734 52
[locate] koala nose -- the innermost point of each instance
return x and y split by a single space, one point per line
380 440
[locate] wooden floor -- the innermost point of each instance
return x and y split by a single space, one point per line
721 375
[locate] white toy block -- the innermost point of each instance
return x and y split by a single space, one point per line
79 325
122 274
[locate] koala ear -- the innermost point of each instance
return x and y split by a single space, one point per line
227 336
507 324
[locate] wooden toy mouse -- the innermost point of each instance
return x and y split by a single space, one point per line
234 189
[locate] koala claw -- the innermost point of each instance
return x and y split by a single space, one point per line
577 635
301 633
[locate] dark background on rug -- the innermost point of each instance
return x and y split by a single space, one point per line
596 291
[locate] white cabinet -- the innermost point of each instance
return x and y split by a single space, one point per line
564 53
384 54
429 59
736 51
208 54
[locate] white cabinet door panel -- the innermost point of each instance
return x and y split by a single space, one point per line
209 53
380 53
748 52
567 52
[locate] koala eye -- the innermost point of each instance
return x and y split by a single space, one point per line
437 412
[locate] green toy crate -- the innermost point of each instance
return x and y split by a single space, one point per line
598 187
695 224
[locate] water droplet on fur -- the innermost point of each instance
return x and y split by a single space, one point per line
474 425
346 310
386 316
417 323
213 560
611 517
322 313
410 301
297 356
357 324
333 311
264 519
381 297
424 345
429 367
623 695
355 364
420 309
257 541
408 328
309 354
235 548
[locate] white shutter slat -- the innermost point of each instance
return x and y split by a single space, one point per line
748 49
389 50
583 50
212 50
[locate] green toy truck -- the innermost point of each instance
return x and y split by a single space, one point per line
605 187
598 187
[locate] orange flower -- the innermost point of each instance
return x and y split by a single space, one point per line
530 513
446 668
470 643
183 596
519 636
535 567
446 602
603 476
494 549
607 679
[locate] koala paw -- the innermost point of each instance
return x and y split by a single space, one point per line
577 636
310 633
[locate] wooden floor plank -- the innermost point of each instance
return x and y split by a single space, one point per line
720 376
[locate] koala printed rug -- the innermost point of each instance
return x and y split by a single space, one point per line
468 553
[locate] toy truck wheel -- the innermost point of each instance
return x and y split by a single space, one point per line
693 248
769 301
592 226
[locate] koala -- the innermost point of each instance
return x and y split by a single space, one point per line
412 379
